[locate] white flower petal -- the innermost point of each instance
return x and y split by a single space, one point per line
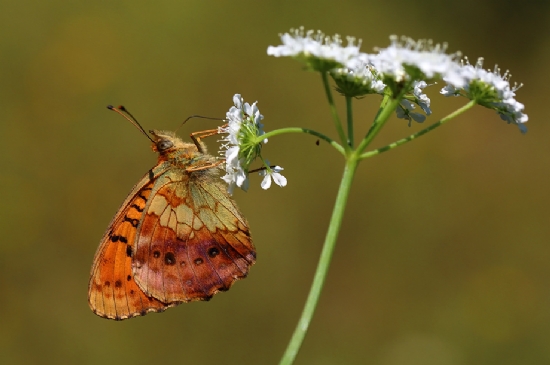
417 117
279 179
266 182
237 100
231 156
240 178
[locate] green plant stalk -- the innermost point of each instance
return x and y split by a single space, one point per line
324 262
349 110
276 132
334 112
381 119
385 100
419 133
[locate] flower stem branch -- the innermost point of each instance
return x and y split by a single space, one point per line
324 262
389 106
349 110
419 133
330 141
333 111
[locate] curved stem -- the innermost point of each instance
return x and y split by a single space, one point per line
417 134
333 111
324 262
276 132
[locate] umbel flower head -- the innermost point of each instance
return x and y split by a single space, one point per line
491 90
359 80
406 59
319 52
243 144
402 70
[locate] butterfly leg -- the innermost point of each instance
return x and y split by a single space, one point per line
204 167
197 136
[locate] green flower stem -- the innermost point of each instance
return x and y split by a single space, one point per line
381 119
385 101
333 111
349 109
332 142
419 133
324 262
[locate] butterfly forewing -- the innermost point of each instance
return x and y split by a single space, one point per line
112 291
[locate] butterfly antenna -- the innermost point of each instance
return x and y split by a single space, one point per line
129 117
196 116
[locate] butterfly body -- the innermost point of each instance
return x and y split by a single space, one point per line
178 237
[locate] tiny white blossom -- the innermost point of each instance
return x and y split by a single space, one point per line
415 96
238 146
272 173
450 90
422 99
319 52
406 59
242 144
404 111
232 155
235 177
357 81
491 90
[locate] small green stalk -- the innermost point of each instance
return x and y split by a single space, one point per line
349 110
389 106
275 132
419 133
334 112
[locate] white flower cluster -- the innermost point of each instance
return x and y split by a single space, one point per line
242 145
405 59
357 80
404 63
316 49
400 70
490 89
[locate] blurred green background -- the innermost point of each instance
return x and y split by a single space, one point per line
444 254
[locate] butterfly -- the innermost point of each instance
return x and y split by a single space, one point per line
178 236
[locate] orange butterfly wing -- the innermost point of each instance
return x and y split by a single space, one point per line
112 292
178 237
192 242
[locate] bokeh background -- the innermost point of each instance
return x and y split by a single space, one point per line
444 253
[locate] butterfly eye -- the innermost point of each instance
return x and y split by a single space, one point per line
164 145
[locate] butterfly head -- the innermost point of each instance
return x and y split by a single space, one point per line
169 146
165 142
